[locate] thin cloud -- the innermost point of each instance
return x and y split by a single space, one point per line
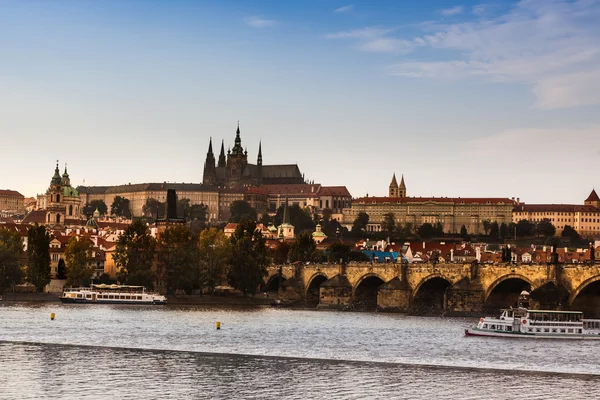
257 22
550 46
365 33
448 12
479 9
344 9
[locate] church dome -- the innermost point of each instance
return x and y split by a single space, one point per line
69 191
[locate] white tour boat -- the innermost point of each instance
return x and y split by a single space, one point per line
111 294
537 324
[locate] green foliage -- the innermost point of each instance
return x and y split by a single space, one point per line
503 231
545 228
339 252
389 222
61 269
134 255
330 227
214 250
198 212
281 254
494 230
120 207
464 234
106 279
183 208
38 263
359 226
89 209
265 218
426 231
525 228
405 230
571 234
78 254
248 259
11 253
178 259
240 210
304 248
487 225
299 218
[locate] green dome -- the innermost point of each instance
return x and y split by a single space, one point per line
69 191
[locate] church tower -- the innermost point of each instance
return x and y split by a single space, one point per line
55 214
593 200
237 159
222 159
402 188
259 159
393 187
210 172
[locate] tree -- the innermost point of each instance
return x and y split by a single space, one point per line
153 208
406 230
99 205
299 218
241 209
464 234
426 231
545 228
571 234
281 253
106 279
360 223
178 259
389 223
248 259
494 230
183 208
11 253
339 252
61 269
439 229
525 228
38 255
214 250
303 248
134 255
120 207
503 230
198 212
78 254
487 225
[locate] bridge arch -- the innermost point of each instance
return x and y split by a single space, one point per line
312 292
272 284
582 287
503 278
365 290
429 296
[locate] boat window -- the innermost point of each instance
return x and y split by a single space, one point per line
127 297
554 330
570 330
530 329
509 328
485 325
79 296
578 330
88 296
547 330
110 296
139 297
563 330
492 326
538 329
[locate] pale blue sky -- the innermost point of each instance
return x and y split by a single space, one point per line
464 98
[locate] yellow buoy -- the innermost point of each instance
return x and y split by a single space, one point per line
218 325
52 316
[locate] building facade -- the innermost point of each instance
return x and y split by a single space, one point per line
11 200
61 202
452 213
234 171
585 219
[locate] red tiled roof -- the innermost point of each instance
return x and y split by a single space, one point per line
593 196
554 208
36 216
456 200
10 193
334 191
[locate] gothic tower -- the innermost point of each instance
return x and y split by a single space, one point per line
222 159
393 187
237 159
259 159
210 172
55 214
402 188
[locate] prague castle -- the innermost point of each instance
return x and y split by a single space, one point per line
234 171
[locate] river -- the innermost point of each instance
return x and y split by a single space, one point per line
175 352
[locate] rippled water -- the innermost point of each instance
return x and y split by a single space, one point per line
176 352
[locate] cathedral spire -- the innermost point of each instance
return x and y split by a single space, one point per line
237 147
210 150
259 159
222 160
210 174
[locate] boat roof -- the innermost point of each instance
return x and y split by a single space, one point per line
555 312
113 286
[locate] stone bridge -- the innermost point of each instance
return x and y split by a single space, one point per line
452 289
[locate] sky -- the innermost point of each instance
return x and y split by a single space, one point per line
464 98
